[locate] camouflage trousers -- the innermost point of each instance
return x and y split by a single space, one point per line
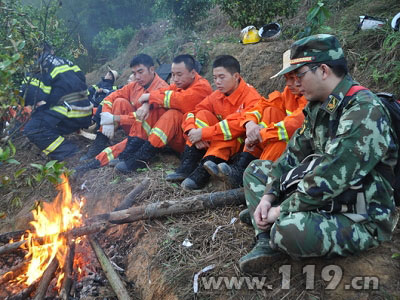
308 233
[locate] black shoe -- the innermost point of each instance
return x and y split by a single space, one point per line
132 145
100 143
189 161
244 217
233 174
199 177
82 169
138 159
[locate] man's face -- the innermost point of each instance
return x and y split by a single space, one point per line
181 76
291 83
309 83
225 82
142 74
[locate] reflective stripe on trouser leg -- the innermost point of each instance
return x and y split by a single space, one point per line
311 234
54 145
254 180
110 153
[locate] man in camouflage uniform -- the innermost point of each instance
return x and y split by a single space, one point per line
313 220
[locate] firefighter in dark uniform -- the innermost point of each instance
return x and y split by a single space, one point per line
57 92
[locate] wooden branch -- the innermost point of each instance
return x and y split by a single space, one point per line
68 271
133 196
112 276
174 207
25 293
14 272
6 237
45 280
76 232
11 247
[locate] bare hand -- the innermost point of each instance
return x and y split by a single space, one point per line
202 145
194 135
253 133
249 146
144 98
143 112
262 211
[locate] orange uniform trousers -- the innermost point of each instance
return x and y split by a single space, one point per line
161 128
270 150
221 149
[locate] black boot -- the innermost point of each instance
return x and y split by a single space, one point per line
233 174
189 161
82 169
132 145
137 160
199 177
100 143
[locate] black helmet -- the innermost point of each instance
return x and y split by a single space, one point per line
270 31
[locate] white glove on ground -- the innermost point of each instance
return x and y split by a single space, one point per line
108 130
106 118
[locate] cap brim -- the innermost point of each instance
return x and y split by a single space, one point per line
287 70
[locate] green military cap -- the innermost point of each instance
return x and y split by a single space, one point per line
314 49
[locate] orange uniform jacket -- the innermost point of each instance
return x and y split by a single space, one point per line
182 100
227 109
131 92
291 105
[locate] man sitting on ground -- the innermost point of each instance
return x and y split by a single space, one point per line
118 108
152 130
329 193
213 129
269 126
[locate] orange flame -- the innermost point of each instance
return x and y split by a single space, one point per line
50 222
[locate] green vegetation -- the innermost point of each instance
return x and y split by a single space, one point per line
257 12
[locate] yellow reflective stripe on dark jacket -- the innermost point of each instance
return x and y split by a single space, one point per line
36 82
54 145
225 130
158 132
167 99
72 113
62 69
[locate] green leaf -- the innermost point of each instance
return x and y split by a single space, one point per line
50 164
21 45
396 255
38 166
13 161
12 147
15 57
19 172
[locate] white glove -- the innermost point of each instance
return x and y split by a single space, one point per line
108 130
106 118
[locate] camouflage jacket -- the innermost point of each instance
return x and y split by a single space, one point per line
363 139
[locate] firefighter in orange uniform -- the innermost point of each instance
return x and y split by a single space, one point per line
119 107
213 128
146 138
269 126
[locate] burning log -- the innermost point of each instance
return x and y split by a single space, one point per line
80 231
132 197
25 293
68 272
45 280
6 237
112 276
173 207
14 272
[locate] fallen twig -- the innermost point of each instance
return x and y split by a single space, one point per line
133 196
112 276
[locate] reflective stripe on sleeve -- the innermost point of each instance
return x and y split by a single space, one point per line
167 99
263 125
72 113
62 69
288 112
189 115
54 145
201 124
256 113
282 133
225 130
36 82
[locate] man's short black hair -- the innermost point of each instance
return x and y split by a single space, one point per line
228 62
187 59
142 59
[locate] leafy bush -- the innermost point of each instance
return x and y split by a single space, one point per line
184 13
256 12
317 16
112 41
